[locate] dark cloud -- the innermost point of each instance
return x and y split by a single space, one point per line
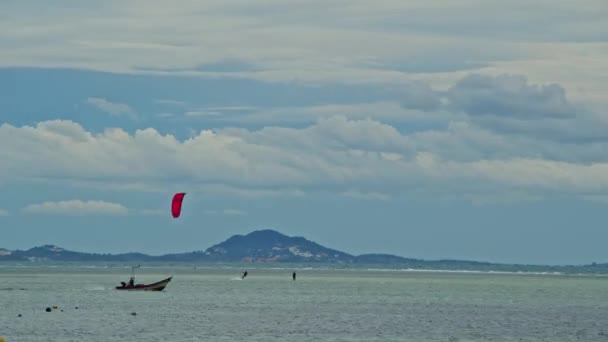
419 95
582 129
509 96
510 105
499 97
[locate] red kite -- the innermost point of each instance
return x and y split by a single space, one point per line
176 204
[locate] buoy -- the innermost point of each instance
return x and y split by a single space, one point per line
48 309
133 313
76 308
19 315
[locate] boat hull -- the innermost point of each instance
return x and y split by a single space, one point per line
158 286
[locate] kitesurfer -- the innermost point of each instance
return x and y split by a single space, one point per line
294 276
244 275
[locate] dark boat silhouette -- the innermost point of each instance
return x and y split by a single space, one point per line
158 286
131 286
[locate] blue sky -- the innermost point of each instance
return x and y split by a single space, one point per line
470 130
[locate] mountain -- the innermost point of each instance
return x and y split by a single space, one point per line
55 253
272 246
258 246
269 246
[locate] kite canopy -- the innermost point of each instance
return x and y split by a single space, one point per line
176 205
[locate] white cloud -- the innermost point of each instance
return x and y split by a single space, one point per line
76 208
357 158
115 109
3 212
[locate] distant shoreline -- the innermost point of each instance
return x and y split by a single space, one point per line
184 266
269 248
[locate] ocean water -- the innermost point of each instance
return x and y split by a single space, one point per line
213 304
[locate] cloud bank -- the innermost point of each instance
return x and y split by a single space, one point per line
489 135
387 42
357 158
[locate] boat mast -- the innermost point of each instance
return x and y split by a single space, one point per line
133 271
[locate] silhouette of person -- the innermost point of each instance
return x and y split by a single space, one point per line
244 275
294 275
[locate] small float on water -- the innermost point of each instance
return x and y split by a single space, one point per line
131 286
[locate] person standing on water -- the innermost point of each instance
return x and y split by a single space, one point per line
244 275
294 276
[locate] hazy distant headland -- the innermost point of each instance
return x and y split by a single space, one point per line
269 246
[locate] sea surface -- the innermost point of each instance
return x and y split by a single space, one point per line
214 304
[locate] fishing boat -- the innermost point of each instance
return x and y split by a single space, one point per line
131 286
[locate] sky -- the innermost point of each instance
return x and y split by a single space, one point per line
463 130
